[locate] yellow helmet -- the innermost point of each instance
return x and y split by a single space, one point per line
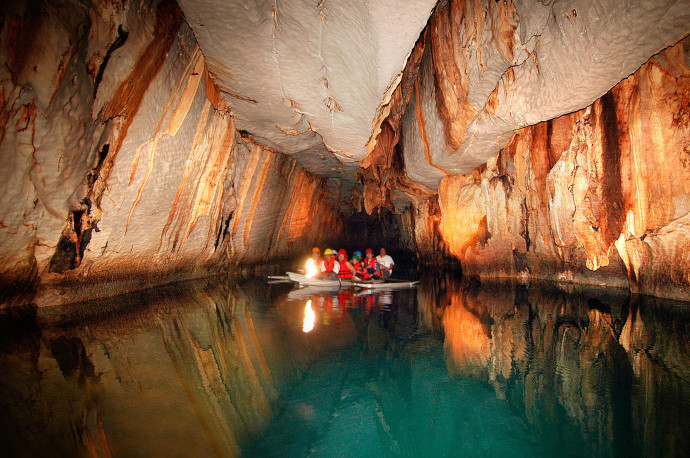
327 252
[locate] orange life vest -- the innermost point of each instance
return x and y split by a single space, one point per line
345 271
359 269
329 264
370 264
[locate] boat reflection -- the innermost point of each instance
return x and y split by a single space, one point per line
327 306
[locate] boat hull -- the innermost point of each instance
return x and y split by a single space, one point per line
376 284
302 280
387 284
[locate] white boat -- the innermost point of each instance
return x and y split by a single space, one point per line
302 280
385 284
304 292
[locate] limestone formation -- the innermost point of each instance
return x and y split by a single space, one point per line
122 162
147 141
596 196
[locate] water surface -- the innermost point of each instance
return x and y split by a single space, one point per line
212 368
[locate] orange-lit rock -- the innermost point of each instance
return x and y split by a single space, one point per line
463 213
587 196
489 68
123 164
468 341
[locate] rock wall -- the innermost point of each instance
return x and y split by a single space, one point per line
121 161
595 193
598 196
484 69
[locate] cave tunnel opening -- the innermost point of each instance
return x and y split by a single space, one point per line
381 229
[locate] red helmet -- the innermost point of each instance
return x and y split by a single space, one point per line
316 250
343 252
369 250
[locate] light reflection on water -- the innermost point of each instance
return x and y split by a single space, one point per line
309 317
211 368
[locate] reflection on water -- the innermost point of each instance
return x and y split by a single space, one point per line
309 317
212 368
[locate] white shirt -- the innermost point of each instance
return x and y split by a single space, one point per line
385 261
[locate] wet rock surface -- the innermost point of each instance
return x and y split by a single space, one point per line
122 161
146 142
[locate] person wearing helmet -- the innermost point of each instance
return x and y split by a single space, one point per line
385 263
329 267
371 267
346 270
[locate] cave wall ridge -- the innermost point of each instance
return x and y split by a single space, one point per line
121 160
489 68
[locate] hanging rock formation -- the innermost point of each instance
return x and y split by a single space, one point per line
483 69
319 71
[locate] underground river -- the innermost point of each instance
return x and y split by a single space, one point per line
450 368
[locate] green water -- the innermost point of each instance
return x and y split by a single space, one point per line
213 368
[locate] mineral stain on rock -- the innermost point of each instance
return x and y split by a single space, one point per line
613 200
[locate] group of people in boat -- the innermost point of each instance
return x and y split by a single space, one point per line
334 266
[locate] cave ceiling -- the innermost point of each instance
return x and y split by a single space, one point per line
306 77
311 79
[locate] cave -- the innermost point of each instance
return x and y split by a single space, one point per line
157 154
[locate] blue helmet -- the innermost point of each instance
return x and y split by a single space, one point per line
358 253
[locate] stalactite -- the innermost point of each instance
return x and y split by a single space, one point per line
450 77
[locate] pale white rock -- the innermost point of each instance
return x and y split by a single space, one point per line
328 65
585 48
560 57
